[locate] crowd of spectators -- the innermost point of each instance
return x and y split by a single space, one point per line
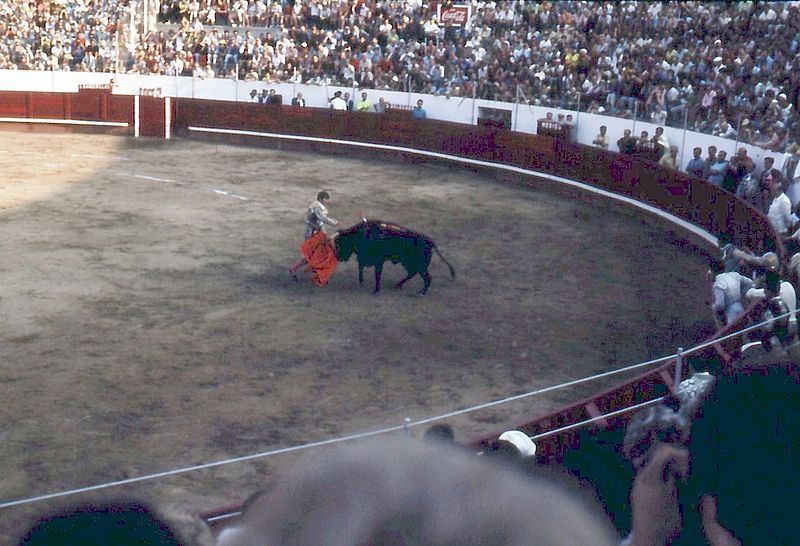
731 69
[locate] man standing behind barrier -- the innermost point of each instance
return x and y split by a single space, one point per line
337 102
601 140
741 165
627 144
710 160
716 171
697 165
364 104
419 111
671 160
780 215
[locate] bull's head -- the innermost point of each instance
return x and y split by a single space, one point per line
345 245
347 240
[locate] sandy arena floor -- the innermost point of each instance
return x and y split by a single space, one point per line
149 323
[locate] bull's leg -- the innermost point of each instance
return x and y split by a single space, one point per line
427 278
401 283
378 272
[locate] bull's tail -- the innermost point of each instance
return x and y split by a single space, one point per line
452 271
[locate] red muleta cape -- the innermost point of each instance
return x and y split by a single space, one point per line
320 254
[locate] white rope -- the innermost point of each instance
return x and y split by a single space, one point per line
386 430
198 467
331 441
593 419
736 333
535 437
541 391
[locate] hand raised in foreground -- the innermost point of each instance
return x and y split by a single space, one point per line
716 534
654 497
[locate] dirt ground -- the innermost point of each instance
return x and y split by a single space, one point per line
149 322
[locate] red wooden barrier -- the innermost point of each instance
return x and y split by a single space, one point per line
87 105
152 117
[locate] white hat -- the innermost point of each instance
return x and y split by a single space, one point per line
521 441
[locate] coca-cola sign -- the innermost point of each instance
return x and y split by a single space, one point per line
455 15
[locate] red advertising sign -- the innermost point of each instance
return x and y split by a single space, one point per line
455 15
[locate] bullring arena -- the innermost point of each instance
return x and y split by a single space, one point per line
150 322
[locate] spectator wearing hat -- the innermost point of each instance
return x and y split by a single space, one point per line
745 132
785 105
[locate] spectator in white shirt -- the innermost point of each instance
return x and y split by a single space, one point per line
780 210
601 140
725 130
337 102
659 117
791 173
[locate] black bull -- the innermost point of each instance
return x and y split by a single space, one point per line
374 242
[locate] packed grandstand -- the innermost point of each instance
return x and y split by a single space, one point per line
728 69
723 68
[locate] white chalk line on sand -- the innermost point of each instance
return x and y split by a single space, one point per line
179 183
95 156
229 194
156 179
